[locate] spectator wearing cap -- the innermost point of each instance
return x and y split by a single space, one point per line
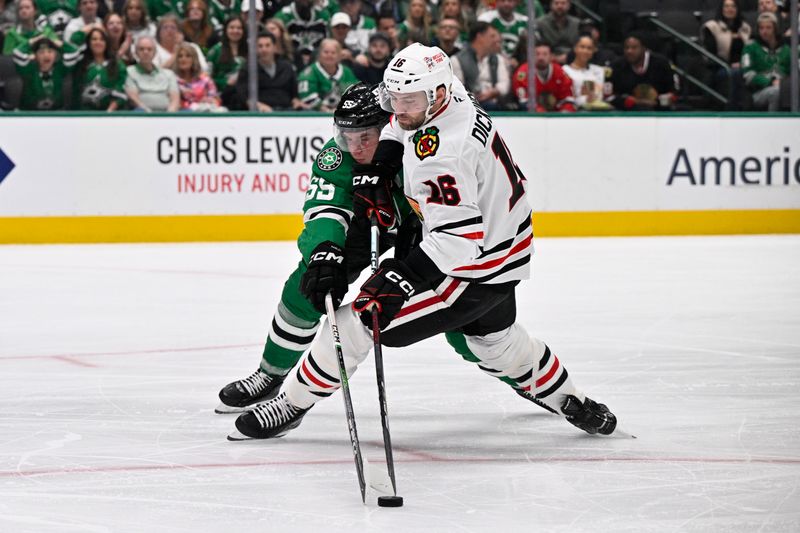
321 84
88 17
30 24
369 67
340 29
43 64
642 79
151 88
771 6
559 29
277 80
482 68
361 26
766 62
447 36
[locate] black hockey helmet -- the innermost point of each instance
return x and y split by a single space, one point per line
358 110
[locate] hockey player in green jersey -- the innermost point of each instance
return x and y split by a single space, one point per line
330 250
321 84
43 65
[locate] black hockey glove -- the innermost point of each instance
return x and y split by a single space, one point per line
372 194
326 272
388 289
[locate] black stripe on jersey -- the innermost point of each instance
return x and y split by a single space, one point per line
524 377
321 394
487 369
340 212
300 377
545 358
505 245
319 371
510 266
297 339
460 224
556 385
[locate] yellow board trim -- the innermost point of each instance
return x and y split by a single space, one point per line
109 229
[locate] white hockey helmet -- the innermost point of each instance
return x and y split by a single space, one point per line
416 68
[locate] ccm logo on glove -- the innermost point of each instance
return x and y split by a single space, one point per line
327 256
404 285
366 180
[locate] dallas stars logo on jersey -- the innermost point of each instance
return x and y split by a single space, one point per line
426 143
329 159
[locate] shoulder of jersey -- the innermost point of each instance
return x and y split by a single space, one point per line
332 161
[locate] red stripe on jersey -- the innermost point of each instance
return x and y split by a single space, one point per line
476 235
500 260
433 300
544 379
440 110
310 376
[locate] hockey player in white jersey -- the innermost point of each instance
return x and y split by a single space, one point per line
476 247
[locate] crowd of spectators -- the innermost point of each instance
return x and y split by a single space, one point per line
191 55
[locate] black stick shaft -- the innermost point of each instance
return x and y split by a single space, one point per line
348 401
376 339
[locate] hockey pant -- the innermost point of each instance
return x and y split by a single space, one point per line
484 314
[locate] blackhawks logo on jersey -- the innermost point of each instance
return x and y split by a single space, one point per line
426 143
329 159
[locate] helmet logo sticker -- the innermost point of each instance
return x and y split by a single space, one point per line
426 143
329 159
349 104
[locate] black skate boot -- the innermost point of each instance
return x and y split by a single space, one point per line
273 419
590 416
243 394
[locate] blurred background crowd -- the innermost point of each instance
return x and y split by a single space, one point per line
588 55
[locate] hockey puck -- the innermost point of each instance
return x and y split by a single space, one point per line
390 501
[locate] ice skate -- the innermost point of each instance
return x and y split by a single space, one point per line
590 416
244 394
269 420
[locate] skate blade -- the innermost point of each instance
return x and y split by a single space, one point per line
223 409
236 436
621 433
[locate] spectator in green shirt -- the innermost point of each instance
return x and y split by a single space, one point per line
765 62
100 77
227 57
321 84
30 24
43 65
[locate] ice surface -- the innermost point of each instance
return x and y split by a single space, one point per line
111 357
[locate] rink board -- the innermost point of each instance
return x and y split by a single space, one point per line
216 178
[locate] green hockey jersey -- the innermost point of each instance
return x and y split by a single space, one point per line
58 13
17 36
317 88
96 89
510 32
306 34
43 91
220 12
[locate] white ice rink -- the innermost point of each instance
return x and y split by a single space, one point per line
111 357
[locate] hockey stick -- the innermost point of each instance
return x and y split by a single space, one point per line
348 401
376 339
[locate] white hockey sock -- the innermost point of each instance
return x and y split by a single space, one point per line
317 375
506 353
550 381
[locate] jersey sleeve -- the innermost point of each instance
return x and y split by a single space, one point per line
452 217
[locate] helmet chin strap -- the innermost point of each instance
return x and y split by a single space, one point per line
428 113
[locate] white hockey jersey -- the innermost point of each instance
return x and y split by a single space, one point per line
460 179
